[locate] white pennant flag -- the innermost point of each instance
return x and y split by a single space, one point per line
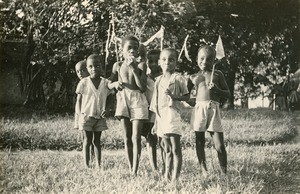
220 53
158 34
184 48
186 53
107 44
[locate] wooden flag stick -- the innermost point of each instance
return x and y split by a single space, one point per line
219 55
212 73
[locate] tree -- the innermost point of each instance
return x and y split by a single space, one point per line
260 38
62 33
257 35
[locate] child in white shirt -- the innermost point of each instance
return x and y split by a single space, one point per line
92 92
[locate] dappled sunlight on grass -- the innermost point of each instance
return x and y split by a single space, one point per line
56 131
250 170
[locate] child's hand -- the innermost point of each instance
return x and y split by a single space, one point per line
169 93
118 85
191 101
131 60
213 87
132 63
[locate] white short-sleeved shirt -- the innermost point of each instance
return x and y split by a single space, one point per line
93 100
167 111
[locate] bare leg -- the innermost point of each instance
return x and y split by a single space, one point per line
127 128
218 139
169 157
177 156
136 141
97 146
163 154
92 152
87 141
151 146
200 143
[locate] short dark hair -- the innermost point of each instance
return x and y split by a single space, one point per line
95 56
82 62
153 52
128 38
171 50
207 48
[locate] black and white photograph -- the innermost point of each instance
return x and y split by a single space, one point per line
150 96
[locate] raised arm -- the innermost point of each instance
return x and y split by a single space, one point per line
190 84
113 79
184 93
139 74
223 89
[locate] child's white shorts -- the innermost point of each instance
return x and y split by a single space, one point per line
206 116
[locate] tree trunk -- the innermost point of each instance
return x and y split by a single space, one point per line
230 83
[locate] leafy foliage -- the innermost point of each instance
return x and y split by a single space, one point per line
260 38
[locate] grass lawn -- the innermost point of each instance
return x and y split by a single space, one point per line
259 169
28 130
39 154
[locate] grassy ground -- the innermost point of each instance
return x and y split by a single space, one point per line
257 161
251 170
42 131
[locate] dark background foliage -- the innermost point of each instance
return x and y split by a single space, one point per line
261 39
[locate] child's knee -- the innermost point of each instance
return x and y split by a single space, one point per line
136 138
152 139
128 141
167 149
176 150
96 142
87 142
220 148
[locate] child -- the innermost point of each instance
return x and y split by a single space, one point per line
170 88
206 113
129 78
155 71
90 106
81 72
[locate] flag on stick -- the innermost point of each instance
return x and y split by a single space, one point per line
162 41
219 49
114 39
220 53
107 44
158 34
184 48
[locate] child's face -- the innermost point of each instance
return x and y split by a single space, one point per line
81 71
168 61
205 60
152 62
94 68
130 49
